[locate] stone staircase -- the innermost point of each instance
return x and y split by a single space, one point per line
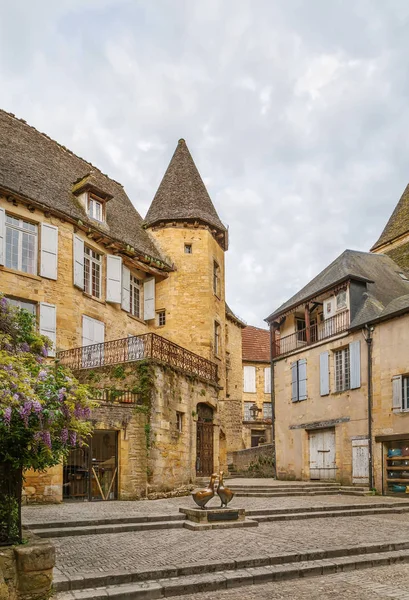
175 580
296 489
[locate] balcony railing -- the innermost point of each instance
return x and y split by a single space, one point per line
115 396
139 347
316 332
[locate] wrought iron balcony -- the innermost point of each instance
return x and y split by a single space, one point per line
139 347
313 334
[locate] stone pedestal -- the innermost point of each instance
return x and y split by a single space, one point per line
215 518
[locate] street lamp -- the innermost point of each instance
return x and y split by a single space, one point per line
254 410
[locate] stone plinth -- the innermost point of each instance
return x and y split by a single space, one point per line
215 518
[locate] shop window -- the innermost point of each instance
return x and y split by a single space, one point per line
396 455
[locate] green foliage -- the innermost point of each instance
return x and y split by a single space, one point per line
118 372
203 392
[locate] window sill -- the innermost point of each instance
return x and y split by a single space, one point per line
94 299
134 317
15 272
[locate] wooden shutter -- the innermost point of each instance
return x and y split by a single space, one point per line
114 279
302 379
355 364
249 378
78 250
294 382
48 324
126 288
2 236
324 373
149 299
397 392
49 251
93 331
99 332
267 380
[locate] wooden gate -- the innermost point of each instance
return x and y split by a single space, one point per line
204 441
360 462
322 454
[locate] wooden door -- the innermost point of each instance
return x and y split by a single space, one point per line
360 462
204 441
322 454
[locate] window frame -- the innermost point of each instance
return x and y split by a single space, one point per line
217 338
216 279
247 413
179 421
135 284
17 301
89 261
342 363
343 306
161 315
93 201
188 249
20 230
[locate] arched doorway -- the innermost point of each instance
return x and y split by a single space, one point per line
204 440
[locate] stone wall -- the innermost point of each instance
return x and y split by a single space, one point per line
257 461
26 571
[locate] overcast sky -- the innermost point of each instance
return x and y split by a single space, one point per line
296 113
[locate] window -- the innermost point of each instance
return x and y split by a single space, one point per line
216 279
188 248
341 300
135 296
161 318
30 307
249 379
247 413
267 380
342 370
216 338
95 209
21 245
299 380
92 272
267 410
257 437
179 422
400 388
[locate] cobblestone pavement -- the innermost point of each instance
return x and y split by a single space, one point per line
158 548
369 584
103 510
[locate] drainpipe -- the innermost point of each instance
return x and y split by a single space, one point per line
272 392
369 339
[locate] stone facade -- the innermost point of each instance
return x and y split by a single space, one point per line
262 399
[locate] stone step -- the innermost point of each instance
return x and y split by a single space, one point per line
272 490
318 514
284 494
329 508
107 521
92 529
214 576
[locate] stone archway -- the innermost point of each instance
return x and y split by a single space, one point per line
204 440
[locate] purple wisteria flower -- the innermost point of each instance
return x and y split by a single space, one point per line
16 397
25 411
61 394
37 406
25 347
64 435
4 303
46 438
73 438
7 416
44 351
42 375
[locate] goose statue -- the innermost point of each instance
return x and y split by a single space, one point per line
225 494
202 497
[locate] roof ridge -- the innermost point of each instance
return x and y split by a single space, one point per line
61 146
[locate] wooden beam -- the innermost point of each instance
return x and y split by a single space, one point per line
307 324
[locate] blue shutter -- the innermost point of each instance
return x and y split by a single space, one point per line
355 364
324 373
302 379
294 382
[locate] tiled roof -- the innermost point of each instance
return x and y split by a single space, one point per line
37 167
379 271
255 344
182 195
398 223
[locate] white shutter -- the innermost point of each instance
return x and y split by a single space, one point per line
397 392
114 279
48 324
324 373
149 299
126 288
294 382
78 249
87 331
355 364
249 379
99 332
49 251
267 380
2 236
302 379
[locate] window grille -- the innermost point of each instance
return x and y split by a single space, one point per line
92 272
21 245
161 318
342 370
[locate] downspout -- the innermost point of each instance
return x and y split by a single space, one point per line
369 339
272 394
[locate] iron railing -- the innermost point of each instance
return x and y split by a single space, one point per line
139 347
114 396
315 333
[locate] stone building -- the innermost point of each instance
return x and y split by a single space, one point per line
257 409
340 369
136 308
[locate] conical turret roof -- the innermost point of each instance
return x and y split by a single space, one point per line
182 195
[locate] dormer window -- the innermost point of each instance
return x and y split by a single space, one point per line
95 208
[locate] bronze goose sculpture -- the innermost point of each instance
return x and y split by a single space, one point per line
225 494
202 497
